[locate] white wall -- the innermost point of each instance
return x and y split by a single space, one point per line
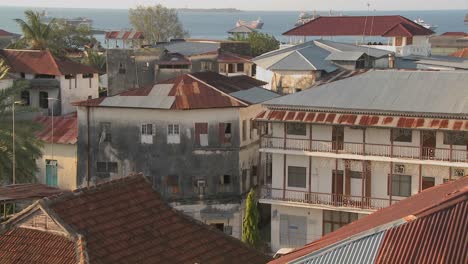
81 91
66 158
264 75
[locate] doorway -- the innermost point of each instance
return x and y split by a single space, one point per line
429 143
337 138
51 173
337 186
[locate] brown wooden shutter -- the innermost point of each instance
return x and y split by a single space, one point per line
221 133
347 177
200 128
368 173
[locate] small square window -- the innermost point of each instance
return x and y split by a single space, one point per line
402 135
112 167
298 129
456 138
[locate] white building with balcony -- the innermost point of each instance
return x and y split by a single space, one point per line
337 152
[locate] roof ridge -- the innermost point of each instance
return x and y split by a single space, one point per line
53 61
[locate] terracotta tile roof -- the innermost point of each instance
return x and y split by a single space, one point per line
360 25
126 221
455 34
24 245
228 57
65 129
228 84
463 53
4 33
27 191
440 214
42 62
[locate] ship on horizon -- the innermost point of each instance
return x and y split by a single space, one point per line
423 23
76 21
256 24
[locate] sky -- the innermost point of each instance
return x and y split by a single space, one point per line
319 5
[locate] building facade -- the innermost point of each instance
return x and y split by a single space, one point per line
193 136
343 150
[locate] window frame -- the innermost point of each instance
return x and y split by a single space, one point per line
453 137
290 131
294 184
334 220
397 181
398 138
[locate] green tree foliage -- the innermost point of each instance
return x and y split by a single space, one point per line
95 59
66 37
259 42
157 23
250 231
27 147
36 34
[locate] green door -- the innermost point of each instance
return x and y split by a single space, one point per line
51 173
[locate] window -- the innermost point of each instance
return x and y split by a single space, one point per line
25 97
337 138
88 75
200 187
107 167
293 230
170 66
240 67
105 135
296 129
333 220
69 76
43 100
173 134
456 138
172 182
401 185
297 177
356 175
201 134
225 180
402 135
427 182
360 64
225 134
231 68
147 133
206 66
253 125
122 69
244 130
44 76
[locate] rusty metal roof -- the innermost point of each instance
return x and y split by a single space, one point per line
42 62
333 118
124 35
65 129
27 191
429 227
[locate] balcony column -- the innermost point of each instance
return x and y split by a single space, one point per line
420 177
450 173
284 164
310 160
364 141
390 176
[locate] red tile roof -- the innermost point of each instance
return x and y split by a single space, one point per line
387 26
437 210
463 53
28 191
24 245
124 35
4 33
126 221
228 57
65 129
42 62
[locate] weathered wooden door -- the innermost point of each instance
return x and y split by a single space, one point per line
428 144
337 186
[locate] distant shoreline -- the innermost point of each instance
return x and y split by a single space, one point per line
219 10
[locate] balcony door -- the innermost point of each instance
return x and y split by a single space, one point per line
428 144
337 138
337 186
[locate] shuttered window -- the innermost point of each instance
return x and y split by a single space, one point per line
293 230
401 185
201 134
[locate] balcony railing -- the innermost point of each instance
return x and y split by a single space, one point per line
325 199
369 149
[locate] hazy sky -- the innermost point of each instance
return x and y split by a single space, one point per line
254 4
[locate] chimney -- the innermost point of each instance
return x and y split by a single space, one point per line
391 61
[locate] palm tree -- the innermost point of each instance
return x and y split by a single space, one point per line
27 146
95 59
36 33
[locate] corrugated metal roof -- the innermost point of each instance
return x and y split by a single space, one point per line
65 129
444 92
27 191
124 35
444 234
255 95
192 48
241 29
157 98
345 56
359 251
339 46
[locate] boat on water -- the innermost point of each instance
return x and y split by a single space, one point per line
423 23
305 17
466 19
76 21
256 24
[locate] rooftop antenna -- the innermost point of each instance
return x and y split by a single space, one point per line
370 33
365 23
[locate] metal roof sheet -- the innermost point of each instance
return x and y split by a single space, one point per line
192 48
255 95
388 90
157 98
344 47
345 56
27 191
65 129
241 29
360 251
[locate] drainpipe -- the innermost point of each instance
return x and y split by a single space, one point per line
88 160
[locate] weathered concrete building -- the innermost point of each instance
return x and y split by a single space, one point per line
340 151
193 135
53 83
147 66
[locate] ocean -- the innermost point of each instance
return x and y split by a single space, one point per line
214 25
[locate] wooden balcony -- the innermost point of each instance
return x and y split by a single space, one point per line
366 149
325 199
